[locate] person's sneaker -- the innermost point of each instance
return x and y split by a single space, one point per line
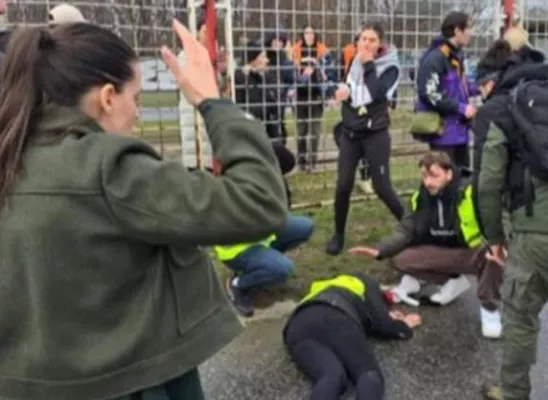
452 289
491 324
335 245
491 392
240 300
407 286
365 186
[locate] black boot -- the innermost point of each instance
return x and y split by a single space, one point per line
335 245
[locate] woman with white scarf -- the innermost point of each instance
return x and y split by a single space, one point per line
370 85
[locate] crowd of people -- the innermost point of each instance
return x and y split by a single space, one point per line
108 288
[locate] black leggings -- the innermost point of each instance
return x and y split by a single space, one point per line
376 150
331 350
459 154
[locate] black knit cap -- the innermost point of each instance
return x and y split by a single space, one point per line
252 50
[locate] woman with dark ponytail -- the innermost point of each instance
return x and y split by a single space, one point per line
107 292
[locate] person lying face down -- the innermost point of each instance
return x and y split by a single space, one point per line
327 336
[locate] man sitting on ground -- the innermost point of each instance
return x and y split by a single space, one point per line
439 242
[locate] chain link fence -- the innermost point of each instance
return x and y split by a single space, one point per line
409 25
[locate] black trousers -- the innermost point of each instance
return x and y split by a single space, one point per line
332 350
375 148
459 154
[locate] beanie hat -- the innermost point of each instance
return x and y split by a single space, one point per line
252 50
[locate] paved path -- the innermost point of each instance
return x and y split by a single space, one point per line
447 360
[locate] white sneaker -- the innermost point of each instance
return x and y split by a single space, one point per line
408 285
365 186
491 324
452 289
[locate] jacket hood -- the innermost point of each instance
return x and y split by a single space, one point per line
388 57
527 64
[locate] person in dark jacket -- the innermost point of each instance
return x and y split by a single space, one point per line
443 88
256 92
281 71
439 242
502 185
328 334
371 81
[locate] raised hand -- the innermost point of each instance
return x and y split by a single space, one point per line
196 78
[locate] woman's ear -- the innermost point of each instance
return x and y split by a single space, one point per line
106 96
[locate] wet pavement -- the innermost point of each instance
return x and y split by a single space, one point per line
446 360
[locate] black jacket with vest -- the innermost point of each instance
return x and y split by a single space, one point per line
431 220
372 313
372 86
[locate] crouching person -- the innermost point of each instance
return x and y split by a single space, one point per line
439 242
327 335
256 265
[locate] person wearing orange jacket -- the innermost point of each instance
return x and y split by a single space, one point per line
309 55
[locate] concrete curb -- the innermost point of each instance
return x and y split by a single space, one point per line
276 311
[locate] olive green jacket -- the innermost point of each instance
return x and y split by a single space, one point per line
492 180
105 286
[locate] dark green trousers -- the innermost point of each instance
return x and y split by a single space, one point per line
524 293
186 387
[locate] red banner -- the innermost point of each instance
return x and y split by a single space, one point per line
211 26
508 6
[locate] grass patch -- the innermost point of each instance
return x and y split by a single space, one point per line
320 186
159 99
167 131
368 223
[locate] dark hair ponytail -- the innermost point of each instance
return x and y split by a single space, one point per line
56 66
20 100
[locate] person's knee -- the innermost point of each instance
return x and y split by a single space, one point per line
400 262
300 227
380 182
345 182
282 270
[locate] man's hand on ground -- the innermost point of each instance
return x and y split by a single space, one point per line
413 320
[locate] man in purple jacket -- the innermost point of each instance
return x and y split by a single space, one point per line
443 87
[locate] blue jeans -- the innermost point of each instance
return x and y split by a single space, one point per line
262 266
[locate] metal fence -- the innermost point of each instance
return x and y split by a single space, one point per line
409 25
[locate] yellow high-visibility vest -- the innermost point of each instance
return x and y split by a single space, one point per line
469 226
348 282
228 253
